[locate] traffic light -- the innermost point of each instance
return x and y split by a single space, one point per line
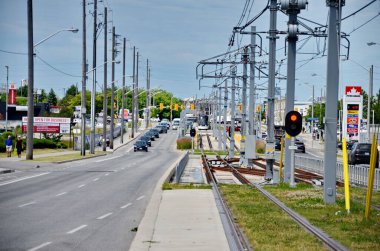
192 106
258 108
181 107
161 106
192 132
293 123
176 107
170 106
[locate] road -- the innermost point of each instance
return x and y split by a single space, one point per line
93 204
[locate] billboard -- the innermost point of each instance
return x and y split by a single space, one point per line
48 124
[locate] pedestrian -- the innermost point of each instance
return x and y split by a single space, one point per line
19 146
322 134
8 146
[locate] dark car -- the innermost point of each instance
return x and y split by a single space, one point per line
162 128
140 145
360 154
151 135
349 144
300 146
164 123
146 139
156 132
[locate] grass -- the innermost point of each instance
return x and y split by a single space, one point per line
65 157
35 152
172 186
266 226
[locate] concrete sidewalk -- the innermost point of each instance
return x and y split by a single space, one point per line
181 219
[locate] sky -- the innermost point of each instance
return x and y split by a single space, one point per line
175 35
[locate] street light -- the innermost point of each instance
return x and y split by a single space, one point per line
6 101
30 130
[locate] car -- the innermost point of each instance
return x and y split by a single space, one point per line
165 120
156 132
300 146
349 144
140 145
164 123
175 124
146 139
151 135
162 128
360 154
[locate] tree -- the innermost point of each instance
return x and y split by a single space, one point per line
72 91
43 96
52 97
22 91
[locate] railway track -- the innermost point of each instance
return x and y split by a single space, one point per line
219 164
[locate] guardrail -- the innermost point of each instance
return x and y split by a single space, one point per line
180 167
358 173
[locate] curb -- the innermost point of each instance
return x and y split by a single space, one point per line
144 235
71 160
6 171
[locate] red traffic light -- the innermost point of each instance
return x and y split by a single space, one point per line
293 123
293 118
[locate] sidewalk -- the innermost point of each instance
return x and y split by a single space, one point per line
181 219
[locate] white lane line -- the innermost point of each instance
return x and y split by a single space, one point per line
76 229
140 198
61 194
106 174
96 179
27 204
103 216
122 168
81 186
40 246
130 149
126 205
25 178
106 159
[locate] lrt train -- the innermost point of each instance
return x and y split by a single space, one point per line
203 122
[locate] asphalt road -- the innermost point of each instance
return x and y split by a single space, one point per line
93 204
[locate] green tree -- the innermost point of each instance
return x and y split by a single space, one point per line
43 96
72 91
22 91
52 97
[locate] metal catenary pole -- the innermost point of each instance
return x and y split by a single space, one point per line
93 93
219 119
29 139
232 127
225 106
113 88
84 77
123 95
252 90
244 108
104 143
133 94
271 91
147 95
329 187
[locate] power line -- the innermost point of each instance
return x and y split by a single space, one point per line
12 52
56 69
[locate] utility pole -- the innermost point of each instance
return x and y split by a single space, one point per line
6 101
292 9
137 92
232 127
219 119
29 139
370 90
112 88
123 95
271 90
104 143
244 110
84 77
133 94
252 101
147 95
225 106
93 93
329 187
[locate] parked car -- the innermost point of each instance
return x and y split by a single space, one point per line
162 128
146 139
300 146
151 135
156 132
164 123
361 154
140 145
349 144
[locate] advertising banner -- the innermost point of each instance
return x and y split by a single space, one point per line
48 124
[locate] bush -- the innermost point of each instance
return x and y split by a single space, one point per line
44 143
184 143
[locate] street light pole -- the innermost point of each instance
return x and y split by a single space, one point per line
84 77
104 143
29 138
112 88
92 130
6 101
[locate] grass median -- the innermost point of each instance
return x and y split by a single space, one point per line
269 228
67 157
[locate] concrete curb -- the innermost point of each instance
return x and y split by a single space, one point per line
144 236
71 160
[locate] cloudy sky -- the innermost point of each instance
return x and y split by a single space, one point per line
174 35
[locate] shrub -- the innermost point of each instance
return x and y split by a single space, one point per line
44 143
184 143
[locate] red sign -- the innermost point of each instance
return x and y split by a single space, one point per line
42 129
12 93
352 130
352 120
353 91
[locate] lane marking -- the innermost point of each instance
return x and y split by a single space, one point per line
106 159
40 246
103 216
27 204
106 174
127 205
61 194
76 229
141 197
122 168
81 186
25 178
96 179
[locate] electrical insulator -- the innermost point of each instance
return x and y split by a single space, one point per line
292 30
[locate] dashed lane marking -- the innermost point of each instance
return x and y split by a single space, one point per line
40 246
126 205
25 178
141 197
106 174
76 229
60 194
81 186
103 216
96 179
27 204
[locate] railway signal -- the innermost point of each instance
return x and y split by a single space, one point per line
293 123
192 132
